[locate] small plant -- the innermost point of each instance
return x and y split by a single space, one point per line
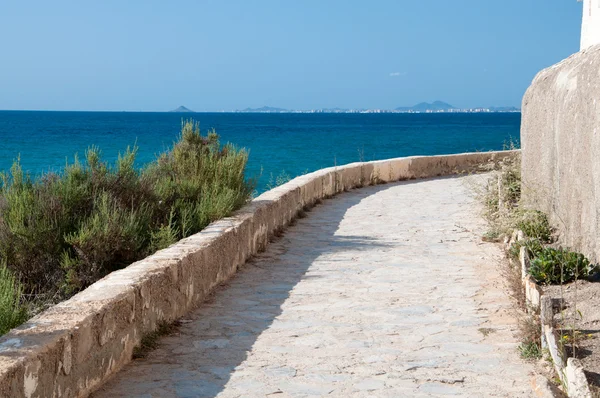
281 179
530 350
12 313
530 333
534 224
510 181
486 331
572 336
556 266
492 235
533 246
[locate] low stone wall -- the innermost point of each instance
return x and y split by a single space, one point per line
72 348
560 140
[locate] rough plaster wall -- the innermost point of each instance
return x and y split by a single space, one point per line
560 138
590 28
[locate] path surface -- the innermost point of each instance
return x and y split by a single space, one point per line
377 293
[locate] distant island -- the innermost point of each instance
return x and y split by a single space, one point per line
182 109
423 107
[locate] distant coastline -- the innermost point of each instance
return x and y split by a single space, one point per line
423 107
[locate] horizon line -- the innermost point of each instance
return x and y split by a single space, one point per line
317 110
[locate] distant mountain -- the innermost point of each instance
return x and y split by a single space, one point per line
264 109
426 106
182 109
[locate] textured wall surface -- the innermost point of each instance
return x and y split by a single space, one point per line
590 27
560 140
72 348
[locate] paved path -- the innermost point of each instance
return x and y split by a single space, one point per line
377 293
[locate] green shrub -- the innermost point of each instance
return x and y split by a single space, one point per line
556 266
64 231
12 313
534 224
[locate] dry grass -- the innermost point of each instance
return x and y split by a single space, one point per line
501 197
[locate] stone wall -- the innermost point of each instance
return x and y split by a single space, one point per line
560 140
72 348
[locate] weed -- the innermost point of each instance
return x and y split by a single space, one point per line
301 213
512 275
150 341
492 236
533 246
530 350
486 331
530 334
281 179
534 224
501 195
572 336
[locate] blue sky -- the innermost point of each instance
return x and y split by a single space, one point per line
232 54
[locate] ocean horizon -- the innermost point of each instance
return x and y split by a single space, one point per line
279 143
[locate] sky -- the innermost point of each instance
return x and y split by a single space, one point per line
219 55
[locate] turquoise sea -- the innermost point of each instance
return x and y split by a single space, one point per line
294 143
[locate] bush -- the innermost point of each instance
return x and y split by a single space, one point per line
12 313
557 266
62 232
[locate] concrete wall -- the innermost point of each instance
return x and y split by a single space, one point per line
72 348
590 27
560 139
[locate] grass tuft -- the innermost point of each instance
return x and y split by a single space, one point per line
530 350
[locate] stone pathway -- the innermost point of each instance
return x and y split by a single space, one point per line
386 291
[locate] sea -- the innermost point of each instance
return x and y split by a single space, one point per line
280 144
